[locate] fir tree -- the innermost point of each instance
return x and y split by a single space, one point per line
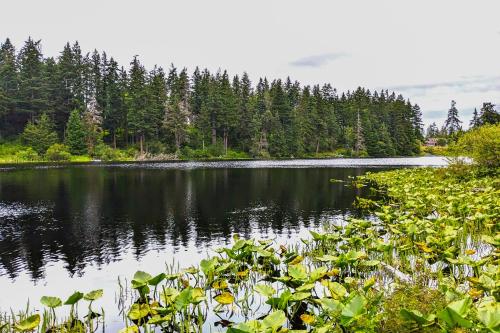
40 134
452 123
489 115
475 119
76 134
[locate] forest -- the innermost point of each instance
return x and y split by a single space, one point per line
89 104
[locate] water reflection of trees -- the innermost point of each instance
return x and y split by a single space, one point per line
95 214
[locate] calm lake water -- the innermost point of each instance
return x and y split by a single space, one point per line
80 227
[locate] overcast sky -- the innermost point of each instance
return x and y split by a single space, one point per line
431 51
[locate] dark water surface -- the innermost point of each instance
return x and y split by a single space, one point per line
80 227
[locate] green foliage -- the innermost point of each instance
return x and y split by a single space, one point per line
134 106
482 144
106 153
40 134
76 134
28 155
58 153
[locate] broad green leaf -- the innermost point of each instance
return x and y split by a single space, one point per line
73 299
274 320
418 317
138 311
454 314
28 324
225 298
51 302
93 295
265 290
353 308
130 329
154 281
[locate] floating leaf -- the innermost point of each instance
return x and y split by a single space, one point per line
225 298
130 329
265 290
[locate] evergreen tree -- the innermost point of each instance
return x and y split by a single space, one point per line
452 123
40 134
31 96
137 103
432 131
175 120
489 115
8 86
475 119
76 134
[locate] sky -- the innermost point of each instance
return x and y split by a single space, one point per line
431 51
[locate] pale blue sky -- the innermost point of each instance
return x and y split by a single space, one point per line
432 51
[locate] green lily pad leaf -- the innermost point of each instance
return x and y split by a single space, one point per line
418 317
138 311
140 279
225 298
454 314
208 266
130 329
157 320
265 290
300 296
353 308
330 305
75 298
93 295
297 272
154 281
274 320
51 302
489 315
28 324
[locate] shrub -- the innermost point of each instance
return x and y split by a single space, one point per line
482 144
28 154
106 153
58 153
40 134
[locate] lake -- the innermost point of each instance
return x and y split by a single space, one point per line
79 227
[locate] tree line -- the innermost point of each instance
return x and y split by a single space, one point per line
83 99
452 126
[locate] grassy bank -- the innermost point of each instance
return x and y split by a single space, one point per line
427 260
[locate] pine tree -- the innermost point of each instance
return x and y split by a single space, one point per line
76 134
40 134
31 101
452 123
432 131
489 115
8 86
137 103
475 119
175 120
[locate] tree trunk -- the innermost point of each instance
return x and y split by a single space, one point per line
225 141
214 136
317 146
114 139
141 143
